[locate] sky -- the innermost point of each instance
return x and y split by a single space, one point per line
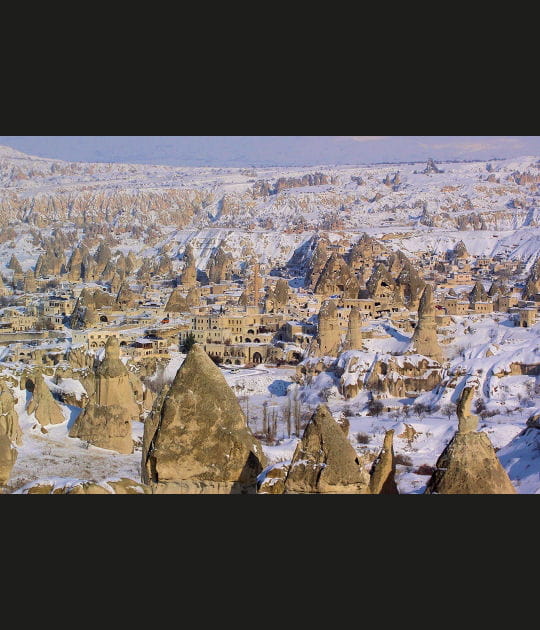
261 151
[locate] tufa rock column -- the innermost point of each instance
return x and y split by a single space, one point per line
324 461
424 340
197 440
469 464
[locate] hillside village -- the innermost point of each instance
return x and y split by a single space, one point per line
347 363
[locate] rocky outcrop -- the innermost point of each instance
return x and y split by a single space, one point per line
353 340
50 263
219 267
329 334
9 419
196 440
123 485
383 469
459 251
410 286
424 340
126 298
467 421
106 420
8 456
176 303
532 283
189 274
274 479
478 293
277 298
317 262
431 167
469 464
42 404
29 282
334 277
324 461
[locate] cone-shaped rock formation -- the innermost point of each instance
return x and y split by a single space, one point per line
106 420
325 461
42 403
469 464
383 469
196 441
424 340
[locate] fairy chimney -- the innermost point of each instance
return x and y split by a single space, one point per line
197 440
424 340
324 461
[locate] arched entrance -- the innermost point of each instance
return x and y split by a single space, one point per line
257 357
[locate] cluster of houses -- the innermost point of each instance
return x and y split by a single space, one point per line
236 331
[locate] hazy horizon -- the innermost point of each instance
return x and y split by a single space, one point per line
260 151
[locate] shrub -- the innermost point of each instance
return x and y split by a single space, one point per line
425 469
375 407
362 438
420 409
404 460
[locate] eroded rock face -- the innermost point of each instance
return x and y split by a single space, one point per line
325 461
532 284
424 340
329 333
334 277
196 441
469 464
467 421
120 486
176 303
42 403
219 267
9 419
383 469
106 419
353 340
189 273
317 262
8 456
478 293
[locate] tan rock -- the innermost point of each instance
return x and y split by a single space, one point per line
42 404
325 461
197 439
353 341
274 480
9 419
467 421
424 340
383 469
8 456
106 420
469 465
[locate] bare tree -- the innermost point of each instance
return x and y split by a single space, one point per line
420 409
297 411
449 409
375 407
265 418
287 415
